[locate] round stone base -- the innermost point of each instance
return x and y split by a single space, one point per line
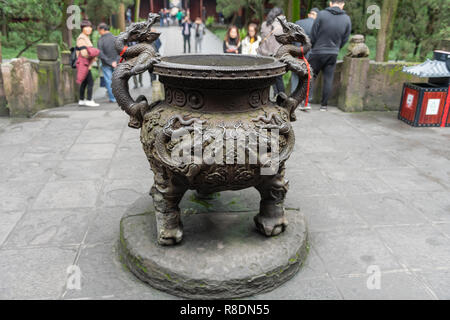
222 256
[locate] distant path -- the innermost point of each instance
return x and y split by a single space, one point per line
172 42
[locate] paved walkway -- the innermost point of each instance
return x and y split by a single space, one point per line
375 193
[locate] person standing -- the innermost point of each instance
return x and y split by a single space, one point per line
306 24
186 31
179 17
269 44
199 33
108 56
86 56
161 17
330 31
232 41
251 42
129 14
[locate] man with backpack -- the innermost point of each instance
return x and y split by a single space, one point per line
330 31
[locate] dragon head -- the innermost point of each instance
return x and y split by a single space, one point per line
291 33
143 31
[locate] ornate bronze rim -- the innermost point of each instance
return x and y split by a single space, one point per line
258 67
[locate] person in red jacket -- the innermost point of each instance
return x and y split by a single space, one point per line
86 56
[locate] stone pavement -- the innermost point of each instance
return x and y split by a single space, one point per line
374 190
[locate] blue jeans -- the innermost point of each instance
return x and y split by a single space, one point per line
107 74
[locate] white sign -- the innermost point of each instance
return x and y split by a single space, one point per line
409 100
433 107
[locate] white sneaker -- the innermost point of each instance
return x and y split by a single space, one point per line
91 103
82 102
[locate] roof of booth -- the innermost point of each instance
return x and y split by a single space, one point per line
439 67
429 69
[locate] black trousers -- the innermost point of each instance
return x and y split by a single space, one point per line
187 39
327 64
89 84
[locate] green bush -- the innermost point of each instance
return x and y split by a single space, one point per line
243 33
210 21
115 31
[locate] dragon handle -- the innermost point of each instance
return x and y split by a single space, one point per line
135 60
294 58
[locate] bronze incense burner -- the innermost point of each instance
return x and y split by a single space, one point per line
211 98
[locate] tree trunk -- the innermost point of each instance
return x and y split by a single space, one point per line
233 20
310 6
363 8
66 32
290 4
384 36
136 10
296 8
4 25
416 48
121 17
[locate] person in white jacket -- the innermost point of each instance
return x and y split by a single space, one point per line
251 42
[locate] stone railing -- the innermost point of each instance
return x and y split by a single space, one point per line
31 86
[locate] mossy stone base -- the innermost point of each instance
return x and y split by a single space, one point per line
222 256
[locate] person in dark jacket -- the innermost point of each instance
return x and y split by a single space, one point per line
306 24
186 32
330 31
232 42
108 56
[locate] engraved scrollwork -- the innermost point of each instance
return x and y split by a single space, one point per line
179 97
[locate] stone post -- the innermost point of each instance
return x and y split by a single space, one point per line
20 84
48 76
353 84
68 87
353 76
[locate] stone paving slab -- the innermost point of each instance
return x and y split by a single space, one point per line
373 189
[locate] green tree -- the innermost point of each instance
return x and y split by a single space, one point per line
420 26
31 21
384 36
254 9
100 10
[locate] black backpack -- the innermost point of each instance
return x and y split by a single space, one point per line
73 56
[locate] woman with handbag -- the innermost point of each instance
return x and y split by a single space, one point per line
86 56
